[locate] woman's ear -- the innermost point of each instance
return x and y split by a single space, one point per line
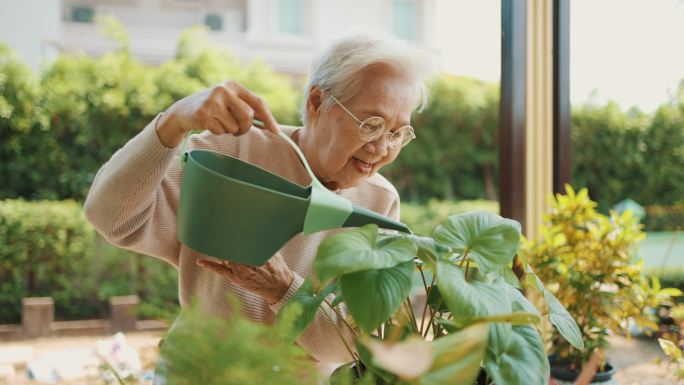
314 102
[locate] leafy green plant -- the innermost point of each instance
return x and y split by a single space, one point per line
474 316
586 259
672 341
205 350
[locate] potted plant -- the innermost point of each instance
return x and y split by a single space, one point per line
672 343
587 261
476 325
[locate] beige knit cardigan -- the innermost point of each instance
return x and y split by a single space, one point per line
133 203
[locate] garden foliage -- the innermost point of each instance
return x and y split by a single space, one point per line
475 320
57 127
49 249
587 260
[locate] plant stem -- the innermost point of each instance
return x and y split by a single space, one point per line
467 269
341 317
422 276
412 315
433 312
463 259
427 297
346 345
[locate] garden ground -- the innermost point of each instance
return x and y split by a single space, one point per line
633 357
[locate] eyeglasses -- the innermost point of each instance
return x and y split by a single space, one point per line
374 127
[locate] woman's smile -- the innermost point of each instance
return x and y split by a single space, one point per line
361 166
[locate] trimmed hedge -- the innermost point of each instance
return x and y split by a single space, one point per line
423 218
47 248
664 218
669 277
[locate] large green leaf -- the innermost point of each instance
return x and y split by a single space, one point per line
519 359
429 250
372 296
470 298
558 314
490 240
457 357
519 302
514 318
408 359
563 321
356 250
309 301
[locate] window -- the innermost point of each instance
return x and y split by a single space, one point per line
290 16
213 21
82 14
404 19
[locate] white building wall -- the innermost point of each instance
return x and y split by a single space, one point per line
250 27
32 28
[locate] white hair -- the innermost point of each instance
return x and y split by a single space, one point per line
335 69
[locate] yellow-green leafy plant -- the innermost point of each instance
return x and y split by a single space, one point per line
672 342
586 260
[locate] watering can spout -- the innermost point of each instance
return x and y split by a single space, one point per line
361 216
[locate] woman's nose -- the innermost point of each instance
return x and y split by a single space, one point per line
378 146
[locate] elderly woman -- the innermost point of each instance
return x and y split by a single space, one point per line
356 112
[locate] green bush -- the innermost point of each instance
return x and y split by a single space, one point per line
422 219
49 249
664 218
633 155
58 129
670 277
455 154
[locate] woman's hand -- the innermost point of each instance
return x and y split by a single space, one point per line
269 281
228 108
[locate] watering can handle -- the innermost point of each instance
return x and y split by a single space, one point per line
326 210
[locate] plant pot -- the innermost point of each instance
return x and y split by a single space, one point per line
563 373
343 373
349 370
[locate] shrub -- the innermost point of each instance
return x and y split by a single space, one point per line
586 259
49 249
670 277
423 218
455 154
58 129
664 218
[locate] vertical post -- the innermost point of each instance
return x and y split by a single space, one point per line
562 145
37 313
512 110
539 137
124 312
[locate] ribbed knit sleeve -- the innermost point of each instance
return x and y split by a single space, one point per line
131 202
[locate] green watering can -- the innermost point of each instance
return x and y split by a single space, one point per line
234 210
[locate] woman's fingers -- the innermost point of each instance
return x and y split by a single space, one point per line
259 107
270 281
228 123
241 112
216 267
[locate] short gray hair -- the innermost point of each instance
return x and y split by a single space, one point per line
336 68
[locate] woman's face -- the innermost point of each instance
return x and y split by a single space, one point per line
338 157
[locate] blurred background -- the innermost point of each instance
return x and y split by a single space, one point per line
78 78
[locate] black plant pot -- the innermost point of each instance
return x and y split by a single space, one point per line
563 373
350 370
